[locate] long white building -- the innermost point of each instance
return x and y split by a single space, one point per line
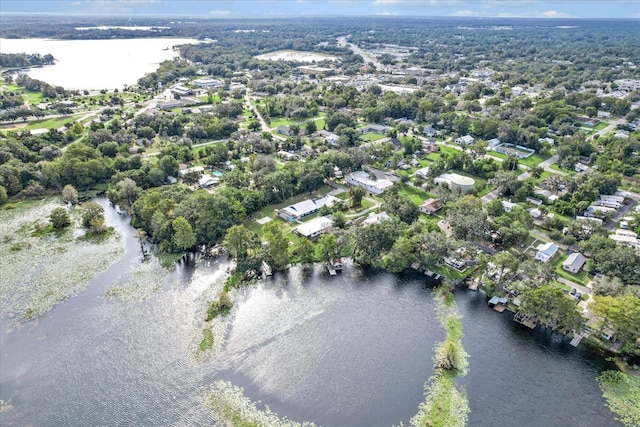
362 179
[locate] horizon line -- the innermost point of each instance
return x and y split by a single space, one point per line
276 16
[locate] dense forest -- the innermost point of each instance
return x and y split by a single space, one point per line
23 60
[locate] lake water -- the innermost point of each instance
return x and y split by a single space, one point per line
349 350
96 64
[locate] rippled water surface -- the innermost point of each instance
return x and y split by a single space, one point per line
349 350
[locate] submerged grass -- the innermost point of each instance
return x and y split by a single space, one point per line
145 280
39 269
622 392
231 407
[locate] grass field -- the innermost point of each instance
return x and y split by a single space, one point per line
370 136
533 160
416 195
54 123
31 96
600 126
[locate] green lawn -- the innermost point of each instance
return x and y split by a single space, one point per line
33 97
580 278
51 123
370 136
281 121
451 273
533 160
416 195
496 154
600 126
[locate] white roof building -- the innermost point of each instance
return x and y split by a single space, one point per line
574 262
305 208
362 179
207 82
546 251
315 227
465 140
455 181
374 218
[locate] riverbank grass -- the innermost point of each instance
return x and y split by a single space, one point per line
445 405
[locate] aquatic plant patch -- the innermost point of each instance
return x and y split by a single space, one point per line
622 392
39 271
144 280
231 406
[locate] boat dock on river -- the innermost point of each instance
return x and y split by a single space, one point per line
525 320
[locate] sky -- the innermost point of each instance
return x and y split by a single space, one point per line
268 8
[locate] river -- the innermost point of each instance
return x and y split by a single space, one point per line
349 350
96 64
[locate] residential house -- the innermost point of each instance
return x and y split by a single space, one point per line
430 206
197 169
604 114
493 143
465 140
315 227
508 205
284 130
206 181
305 208
374 128
374 218
546 251
362 179
429 131
329 137
574 262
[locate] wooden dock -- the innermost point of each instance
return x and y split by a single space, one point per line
576 339
473 285
500 308
525 320
332 271
266 269
415 266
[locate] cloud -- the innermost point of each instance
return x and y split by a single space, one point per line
554 14
502 3
220 13
468 12
387 13
416 2
546 14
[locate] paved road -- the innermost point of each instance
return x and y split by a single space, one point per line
263 124
612 125
368 58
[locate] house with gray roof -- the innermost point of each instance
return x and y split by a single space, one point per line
574 262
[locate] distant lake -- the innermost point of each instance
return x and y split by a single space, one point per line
96 64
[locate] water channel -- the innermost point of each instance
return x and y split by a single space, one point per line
349 350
